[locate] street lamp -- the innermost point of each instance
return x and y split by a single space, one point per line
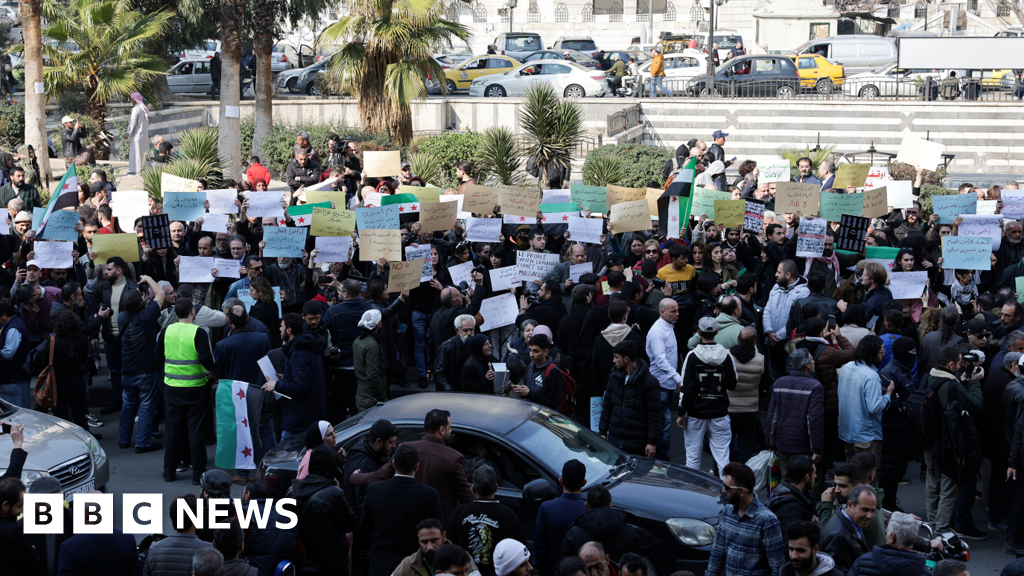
710 83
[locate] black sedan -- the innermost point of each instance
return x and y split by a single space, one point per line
674 509
752 76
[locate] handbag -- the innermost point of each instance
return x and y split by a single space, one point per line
45 392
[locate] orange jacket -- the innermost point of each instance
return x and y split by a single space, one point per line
658 65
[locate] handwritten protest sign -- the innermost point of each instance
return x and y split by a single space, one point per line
729 213
129 205
405 275
704 202
587 230
480 199
556 196
379 164
876 202
380 218
284 242
265 204
1013 204
848 175
184 206
534 265
834 205
216 223
900 193
54 254
439 216
170 183
333 222
227 268
325 186
793 197
810 240
652 196
596 407
503 278
462 273
498 311
337 197
907 284
222 201
126 246
458 199
518 201
483 229
61 226
949 207
196 269
852 234
156 231
577 270
918 152
333 249
982 226
617 194
631 216
375 244
753 216
593 198
774 172
966 253
987 206
421 253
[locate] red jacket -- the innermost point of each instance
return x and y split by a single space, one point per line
257 171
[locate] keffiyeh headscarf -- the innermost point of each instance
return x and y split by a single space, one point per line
138 100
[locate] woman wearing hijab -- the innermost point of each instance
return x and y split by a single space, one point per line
895 450
319 434
28 162
138 134
369 362
6 163
477 373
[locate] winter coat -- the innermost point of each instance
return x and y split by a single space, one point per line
324 517
993 427
265 548
708 373
889 561
451 357
172 556
827 364
1013 404
826 567
544 391
796 415
363 458
547 313
239 567
826 306
875 301
308 174
303 382
371 387
893 418
658 65
473 376
691 311
780 302
746 396
72 140
840 540
790 504
728 332
575 336
601 364
605 525
928 351
631 413
342 322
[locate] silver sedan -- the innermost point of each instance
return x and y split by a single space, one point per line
567 78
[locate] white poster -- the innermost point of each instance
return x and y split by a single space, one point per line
456 198
265 204
585 229
774 172
982 226
333 249
503 278
53 254
577 270
556 196
907 285
216 223
417 252
462 273
196 269
127 206
227 268
222 201
498 311
810 242
483 229
900 193
534 265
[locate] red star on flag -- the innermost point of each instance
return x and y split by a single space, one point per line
544 219
241 394
401 208
283 222
674 218
302 219
565 218
245 422
522 218
414 207
247 452
65 187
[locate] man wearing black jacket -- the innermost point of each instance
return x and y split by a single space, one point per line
549 311
453 303
601 523
478 526
1013 402
324 516
453 355
302 171
631 414
601 362
19 556
791 501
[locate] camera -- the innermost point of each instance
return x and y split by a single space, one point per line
480 268
325 279
463 287
658 283
337 146
532 298
972 358
332 351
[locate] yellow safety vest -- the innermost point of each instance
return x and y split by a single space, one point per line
181 360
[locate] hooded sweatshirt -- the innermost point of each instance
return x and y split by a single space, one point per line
546 391
708 373
616 333
780 301
826 567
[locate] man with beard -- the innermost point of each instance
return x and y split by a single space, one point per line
112 294
805 558
900 228
1011 250
291 277
453 354
806 169
440 466
481 524
843 536
431 536
748 541
368 462
789 288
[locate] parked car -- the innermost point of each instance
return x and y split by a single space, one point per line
605 58
204 50
685 64
457 54
581 43
818 73
638 47
674 509
190 76
574 56
726 40
460 77
279 60
289 79
9 17
517 45
567 78
1008 83
856 53
752 76
1010 33
307 80
56 448
884 81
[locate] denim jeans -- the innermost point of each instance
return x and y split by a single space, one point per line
138 395
17 393
420 322
658 82
666 423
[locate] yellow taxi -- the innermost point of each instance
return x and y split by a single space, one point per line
817 73
460 77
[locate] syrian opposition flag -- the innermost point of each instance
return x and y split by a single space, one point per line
65 196
676 201
238 410
302 215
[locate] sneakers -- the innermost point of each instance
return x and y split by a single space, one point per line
998 527
971 533
904 482
93 421
151 448
182 467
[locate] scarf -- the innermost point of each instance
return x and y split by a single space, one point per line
139 102
831 262
963 293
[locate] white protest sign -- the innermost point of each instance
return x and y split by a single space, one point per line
585 229
265 204
498 311
900 193
982 225
227 268
918 152
54 254
462 273
222 201
127 206
534 265
987 206
577 270
556 196
267 367
322 186
774 172
503 278
456 198
5 224
483 229
333 249
907 285
1013 204
810 240
216 223
417 252
196 269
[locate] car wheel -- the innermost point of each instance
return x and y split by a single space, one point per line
704 93
869 92
785 92
824 86
494 92
575 91
293 85
450 86
311 89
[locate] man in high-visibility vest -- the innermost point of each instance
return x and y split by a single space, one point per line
185 352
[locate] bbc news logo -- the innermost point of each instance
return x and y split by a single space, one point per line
94 513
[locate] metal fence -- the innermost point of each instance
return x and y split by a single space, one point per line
623 120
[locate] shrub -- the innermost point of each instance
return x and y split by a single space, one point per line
642 163
12 125
498 160
901 171
929 190
91 132
425 166
449 149
603 171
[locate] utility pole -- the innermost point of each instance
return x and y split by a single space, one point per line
710 83
650 19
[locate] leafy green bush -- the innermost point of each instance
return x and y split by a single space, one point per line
451 148
929 190
901 171
12 125
642 163
603 171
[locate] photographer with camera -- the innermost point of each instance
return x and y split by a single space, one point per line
455 301
545 306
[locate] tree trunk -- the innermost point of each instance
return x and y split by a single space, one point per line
229 140
264 46
161 90
380 113
35 104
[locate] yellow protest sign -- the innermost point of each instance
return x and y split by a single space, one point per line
876 203
617 194
423 194
729 213
480 199
125 246
328 222
630 216
438 215
377 244
171 183
848 175
652 199
318 196
380 164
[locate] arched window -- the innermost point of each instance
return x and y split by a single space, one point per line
588 12
615 13
454 11
1002 9
921 10
534 14
479 13
561 13
507 16
696 12
894 10
641 12
670 12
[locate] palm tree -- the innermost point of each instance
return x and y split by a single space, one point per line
499 158
553 129
35 103
385 53
111 61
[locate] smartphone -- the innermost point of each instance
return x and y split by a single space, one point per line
871 323
832 322
5 427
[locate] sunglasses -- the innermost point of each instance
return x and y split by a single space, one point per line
650 251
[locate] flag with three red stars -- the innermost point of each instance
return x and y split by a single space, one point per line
238 413
676 201
408 206
65 196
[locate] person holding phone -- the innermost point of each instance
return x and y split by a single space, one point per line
862 400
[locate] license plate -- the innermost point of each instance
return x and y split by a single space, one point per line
87 487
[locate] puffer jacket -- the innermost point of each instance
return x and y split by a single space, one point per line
172 556
308 174
780 301
708 373
631 415
324 518
239 567
749 369
303 382
889 561
790 504
827 365
265 548
796 415
605 525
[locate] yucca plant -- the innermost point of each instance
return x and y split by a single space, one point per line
604 171
185 168
498 158
426 166
817 156
200 144
553 129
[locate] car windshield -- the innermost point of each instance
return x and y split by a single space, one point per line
554 440
463 50
523 44
8 409
585 45
211 46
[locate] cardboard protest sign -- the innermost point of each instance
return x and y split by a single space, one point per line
918 152
332 222
875 202
480 199
848 175
125 246
170 183
405 275
630 216
439 216
375 244
730 213
518 201
791 197
381 164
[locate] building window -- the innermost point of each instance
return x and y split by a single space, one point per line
454 11
506 13
615 13
1002 10
670 12
921 10
894 10
696 12
588 12
641 12
534 14
972 6
479 14
820 30
561 13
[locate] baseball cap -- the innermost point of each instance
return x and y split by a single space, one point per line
707 325
510 554
613 259
574 470
216 483
44 485
977 326
33 263
66 119
719 134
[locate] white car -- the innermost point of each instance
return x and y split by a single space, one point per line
567 78
190 76
204 50
685 64
279 60
883 81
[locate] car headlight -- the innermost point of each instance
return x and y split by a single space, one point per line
96 452
691 532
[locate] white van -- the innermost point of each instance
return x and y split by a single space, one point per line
855 52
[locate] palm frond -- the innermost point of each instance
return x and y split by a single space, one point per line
426 166
603 171
553 127
499 160
200 144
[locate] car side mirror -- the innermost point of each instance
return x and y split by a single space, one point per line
539 489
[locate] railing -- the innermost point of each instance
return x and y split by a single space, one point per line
623 120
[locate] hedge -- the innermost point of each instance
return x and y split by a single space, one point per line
12 125
643 163
449 149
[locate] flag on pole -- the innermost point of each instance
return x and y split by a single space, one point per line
236 448
65 196
677 200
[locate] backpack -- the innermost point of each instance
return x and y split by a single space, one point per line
959 442
925 413
568 403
